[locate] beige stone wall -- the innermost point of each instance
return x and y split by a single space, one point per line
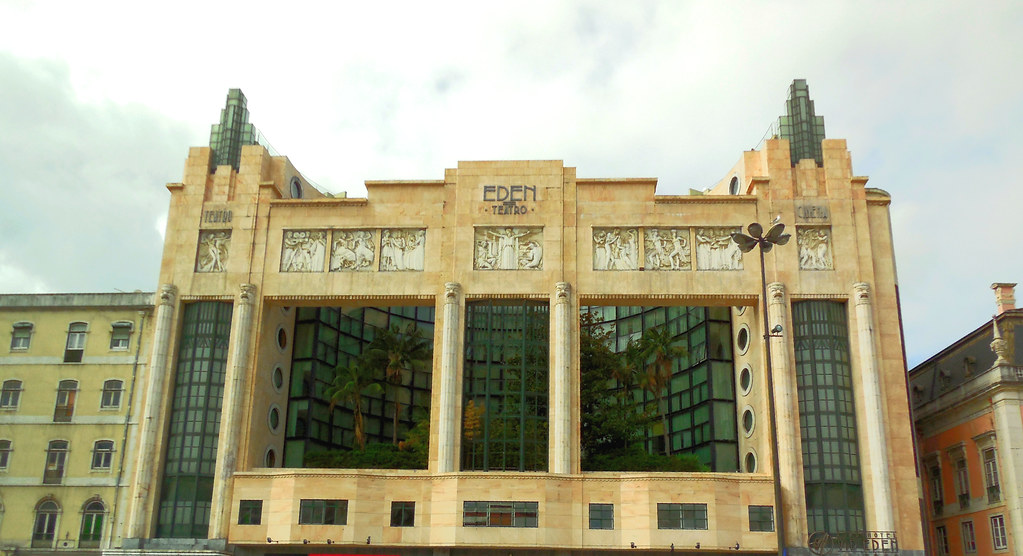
454 211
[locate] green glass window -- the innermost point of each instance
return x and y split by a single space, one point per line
323 512
187 489
505 387
92 525
827 418
681 516
326 337
403 514
761 518
602 516
250 512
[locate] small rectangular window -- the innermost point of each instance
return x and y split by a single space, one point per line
102 454
65 406
969 539
681 516
962 484
120 335
994 490
5 453
403 514
499 514
56 455
75 342
998 538
111 398
942 539
250 512
10 394
761 518
21 336
602 516
323 512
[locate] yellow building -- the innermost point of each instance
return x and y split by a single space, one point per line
273 298
66 426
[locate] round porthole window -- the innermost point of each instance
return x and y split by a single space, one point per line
733 186
270 459
749 421
746 380
742 339
296 188
282 338
273 419
751 462
277 378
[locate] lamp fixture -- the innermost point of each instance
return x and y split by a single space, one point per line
736 546
305 541
330 541
632 545
368 539
697 545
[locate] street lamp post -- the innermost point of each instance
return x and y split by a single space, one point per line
775 236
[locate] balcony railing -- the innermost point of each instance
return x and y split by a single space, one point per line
964 501
937 506
994 494
53 476
62 413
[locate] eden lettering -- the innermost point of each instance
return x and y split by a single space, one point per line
513 193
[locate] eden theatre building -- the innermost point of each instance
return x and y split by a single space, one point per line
271 294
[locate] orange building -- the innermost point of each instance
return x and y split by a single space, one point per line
969 432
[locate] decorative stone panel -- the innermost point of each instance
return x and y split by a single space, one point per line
616 248
214 247
303 250
814 247
715 249
352 251
667 249
402 249
502 248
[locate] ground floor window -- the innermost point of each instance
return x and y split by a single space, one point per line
499 514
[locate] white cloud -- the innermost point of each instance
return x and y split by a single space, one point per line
925 93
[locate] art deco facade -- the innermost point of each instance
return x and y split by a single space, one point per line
267 286
67 417
969 431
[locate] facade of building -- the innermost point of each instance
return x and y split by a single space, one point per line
272 296
67 423
968 414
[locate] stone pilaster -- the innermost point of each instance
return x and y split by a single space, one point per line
152 424
873 438
1009 432
786 419
232 416
561 383
447 424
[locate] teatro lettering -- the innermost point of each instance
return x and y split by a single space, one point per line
509 197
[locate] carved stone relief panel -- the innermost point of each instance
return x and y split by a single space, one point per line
814 247
501 248
715 249
616 248
667 249
303 250
402 249
214 246
352 250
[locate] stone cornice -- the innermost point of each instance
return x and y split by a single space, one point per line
424 475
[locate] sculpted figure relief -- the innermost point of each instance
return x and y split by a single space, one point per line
814 248
402 249
303 250
667 249
352 250
213 250
715 249
615 248
508 249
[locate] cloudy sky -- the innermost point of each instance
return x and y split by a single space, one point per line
99 102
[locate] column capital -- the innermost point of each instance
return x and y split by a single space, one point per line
861 293
247 293
451 292
776 292
167 295
561 291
